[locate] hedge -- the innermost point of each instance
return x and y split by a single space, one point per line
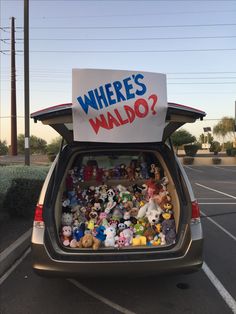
19 189
191 149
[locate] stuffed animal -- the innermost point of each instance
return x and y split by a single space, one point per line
110 233
126 219
128 235
102 219
100 233
151 211
138 241
89 241
92 221
78 233
66 235
120 241
168 229
66 219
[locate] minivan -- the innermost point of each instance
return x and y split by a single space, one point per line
116 208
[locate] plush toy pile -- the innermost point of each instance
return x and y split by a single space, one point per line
117 216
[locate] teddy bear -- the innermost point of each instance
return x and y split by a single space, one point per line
110 233
168 229
89 241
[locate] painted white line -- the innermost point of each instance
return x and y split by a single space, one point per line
197 170
216 203
13 267
99 297
229 300
219 226
212 198
217 191
14 245
220 167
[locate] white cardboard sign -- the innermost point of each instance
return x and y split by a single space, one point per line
118 106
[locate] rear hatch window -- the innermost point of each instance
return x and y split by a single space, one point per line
117 200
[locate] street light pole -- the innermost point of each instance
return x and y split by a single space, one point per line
26 81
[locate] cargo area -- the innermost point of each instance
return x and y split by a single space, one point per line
117 200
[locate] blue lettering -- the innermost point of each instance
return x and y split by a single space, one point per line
144 88
117 85
88 102
110 94
128 87
101 97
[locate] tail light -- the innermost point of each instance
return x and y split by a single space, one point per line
195 212
38 216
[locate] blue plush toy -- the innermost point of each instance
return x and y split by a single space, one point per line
78 233
100 233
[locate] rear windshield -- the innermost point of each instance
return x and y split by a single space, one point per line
129 166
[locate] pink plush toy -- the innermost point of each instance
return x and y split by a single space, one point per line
128 235
66 235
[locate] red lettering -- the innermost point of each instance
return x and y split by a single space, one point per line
141 103
112 121
122 122
99 123
130 113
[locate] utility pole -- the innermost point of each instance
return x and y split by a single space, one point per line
13 91
26 81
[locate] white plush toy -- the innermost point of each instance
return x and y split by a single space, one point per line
151 210
110 233
66 219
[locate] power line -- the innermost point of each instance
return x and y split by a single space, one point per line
121 39
129 27
124 51
129 15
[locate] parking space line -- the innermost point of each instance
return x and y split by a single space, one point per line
221 168
197 170
217 191
217 203
212 198
220 288
13 267
99 297
219 226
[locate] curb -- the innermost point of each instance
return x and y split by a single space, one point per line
14 251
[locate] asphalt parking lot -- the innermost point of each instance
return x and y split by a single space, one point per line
211 290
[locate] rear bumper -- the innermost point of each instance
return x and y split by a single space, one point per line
189 262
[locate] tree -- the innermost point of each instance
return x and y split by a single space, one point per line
182 137
215 147
3 148
37 144
206 138
225 127
54 147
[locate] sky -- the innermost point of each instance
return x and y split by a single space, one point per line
193 42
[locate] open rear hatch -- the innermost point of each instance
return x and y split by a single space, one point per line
60 118
123 197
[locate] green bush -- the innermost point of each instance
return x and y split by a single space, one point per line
22 197
233 152
187 160
3 148
191 150
215 147
8 180
228 151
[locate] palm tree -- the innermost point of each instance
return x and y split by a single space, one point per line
225 127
